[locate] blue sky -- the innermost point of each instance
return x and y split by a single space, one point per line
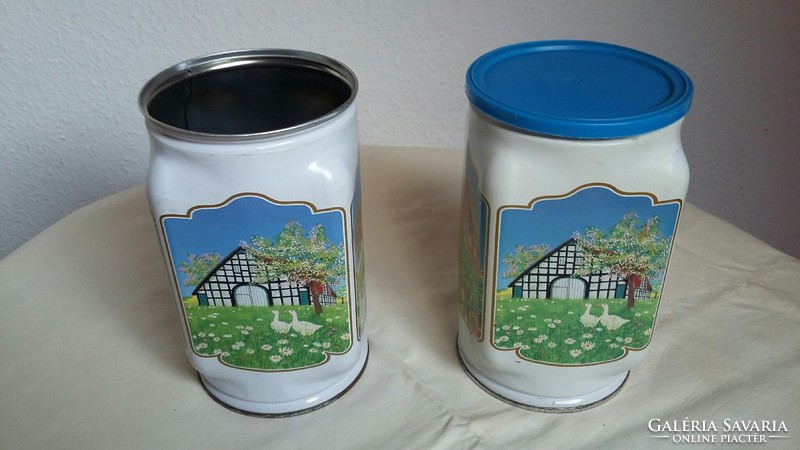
553 221
221 229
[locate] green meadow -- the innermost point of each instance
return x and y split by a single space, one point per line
550 330
242 336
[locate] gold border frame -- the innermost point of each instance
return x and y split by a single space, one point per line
314 210
655 202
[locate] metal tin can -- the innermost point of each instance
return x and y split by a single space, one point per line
254 188
575 178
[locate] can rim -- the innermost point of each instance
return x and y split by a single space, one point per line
242 58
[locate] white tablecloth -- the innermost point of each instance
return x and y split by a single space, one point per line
92 355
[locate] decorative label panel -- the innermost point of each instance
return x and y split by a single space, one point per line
263 283
579 277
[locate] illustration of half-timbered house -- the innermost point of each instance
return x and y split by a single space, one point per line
230 283
554 276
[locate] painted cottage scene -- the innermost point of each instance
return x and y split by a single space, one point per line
276 301
557 275
231 283
590 296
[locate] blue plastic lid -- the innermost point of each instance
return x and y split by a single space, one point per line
578 89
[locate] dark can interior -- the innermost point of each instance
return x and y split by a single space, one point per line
249 99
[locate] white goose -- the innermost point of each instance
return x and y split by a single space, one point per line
303 327
587 319
278 325
611 322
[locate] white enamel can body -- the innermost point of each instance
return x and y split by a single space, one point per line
565 239
259 226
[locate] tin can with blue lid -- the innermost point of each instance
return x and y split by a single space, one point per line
255 190
575 177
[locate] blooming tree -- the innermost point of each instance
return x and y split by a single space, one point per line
522 258
630 249
310 259
196 267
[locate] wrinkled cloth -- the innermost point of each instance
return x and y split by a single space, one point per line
92 354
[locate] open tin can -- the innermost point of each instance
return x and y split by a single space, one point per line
254 188
574 182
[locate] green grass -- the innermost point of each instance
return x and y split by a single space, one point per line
550 331
242 337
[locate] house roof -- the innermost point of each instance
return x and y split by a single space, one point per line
539 261
326 289
323 289
214 270
642 283
550 253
